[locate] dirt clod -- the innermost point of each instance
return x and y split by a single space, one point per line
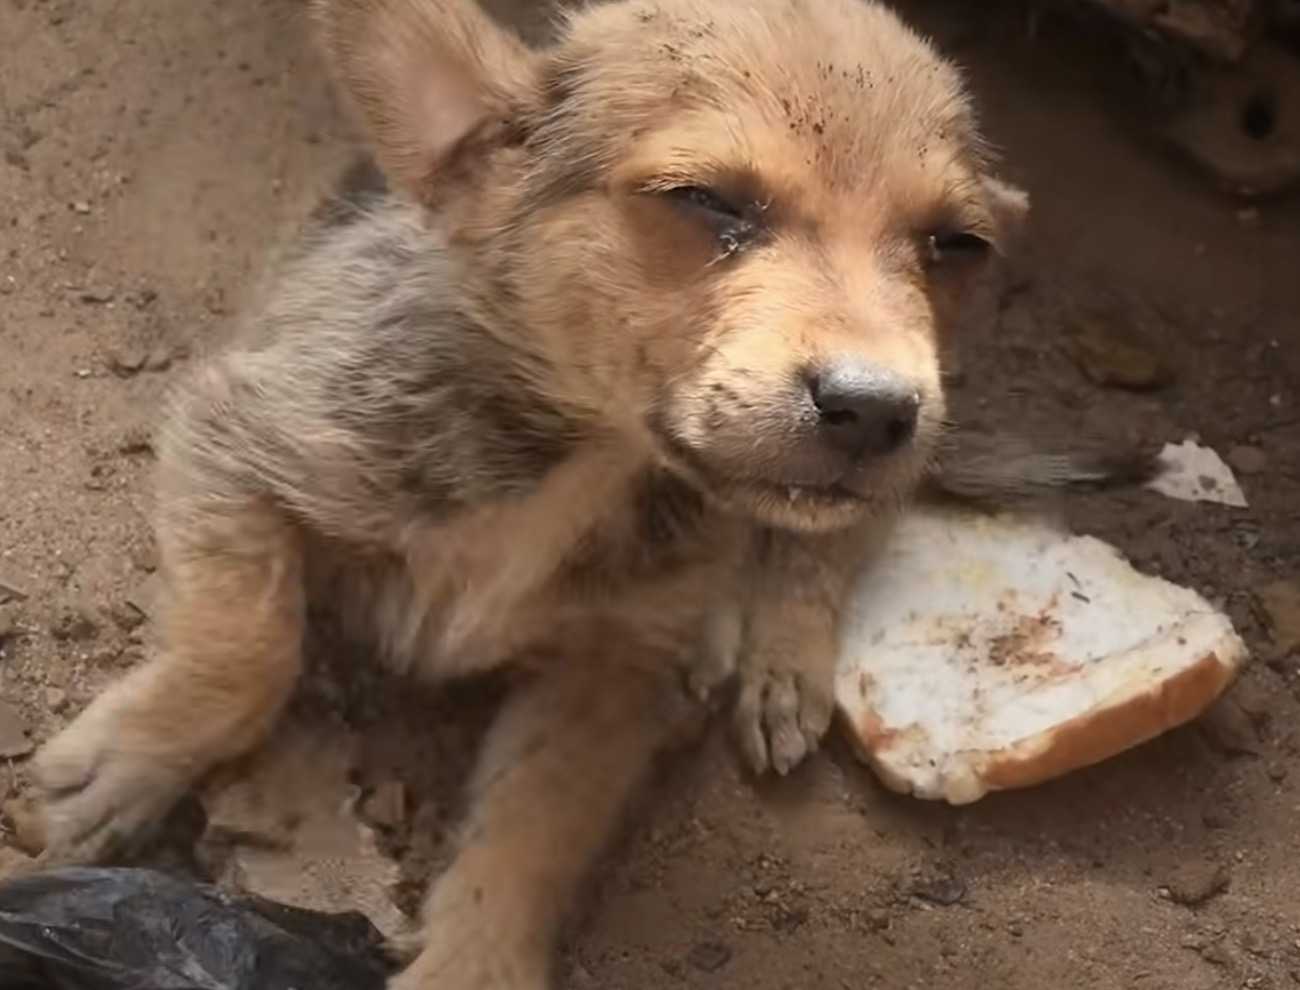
1193 884
76 625
127 361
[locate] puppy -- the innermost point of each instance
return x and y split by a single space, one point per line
617 385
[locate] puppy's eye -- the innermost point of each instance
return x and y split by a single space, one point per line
955 246
705 199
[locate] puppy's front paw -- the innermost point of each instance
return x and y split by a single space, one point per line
104 786
782 713
471 966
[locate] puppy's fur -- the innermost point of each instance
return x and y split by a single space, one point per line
552 402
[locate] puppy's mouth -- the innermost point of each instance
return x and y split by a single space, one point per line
805 498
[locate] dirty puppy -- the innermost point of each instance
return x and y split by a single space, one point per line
616 384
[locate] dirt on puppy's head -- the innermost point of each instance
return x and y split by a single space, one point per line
731 233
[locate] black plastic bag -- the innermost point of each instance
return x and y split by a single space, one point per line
135 929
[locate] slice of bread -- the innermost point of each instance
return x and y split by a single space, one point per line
987 653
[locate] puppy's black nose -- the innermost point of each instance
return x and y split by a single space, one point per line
865 410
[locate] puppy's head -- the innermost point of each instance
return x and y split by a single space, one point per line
733 230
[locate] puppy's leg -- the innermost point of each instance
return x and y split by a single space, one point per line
555 774
787 662
232 631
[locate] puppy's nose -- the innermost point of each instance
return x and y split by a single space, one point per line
865 410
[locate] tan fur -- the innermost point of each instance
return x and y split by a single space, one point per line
539 407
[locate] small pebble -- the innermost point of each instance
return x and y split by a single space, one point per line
1195 883
56 699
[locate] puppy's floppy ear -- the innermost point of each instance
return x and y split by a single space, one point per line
1009 208
435 82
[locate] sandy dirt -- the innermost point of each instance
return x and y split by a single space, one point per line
155 158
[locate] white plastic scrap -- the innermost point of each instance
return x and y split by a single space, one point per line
1197 474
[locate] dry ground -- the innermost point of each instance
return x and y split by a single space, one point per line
156 155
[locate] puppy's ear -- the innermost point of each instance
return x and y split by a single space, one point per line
436 83
1009 208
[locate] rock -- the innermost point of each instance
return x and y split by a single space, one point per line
27 823
709 957
1281 603
12 587
386 806
127 361
1195 883
14 741
1247 459
944 890
79 206
8 626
